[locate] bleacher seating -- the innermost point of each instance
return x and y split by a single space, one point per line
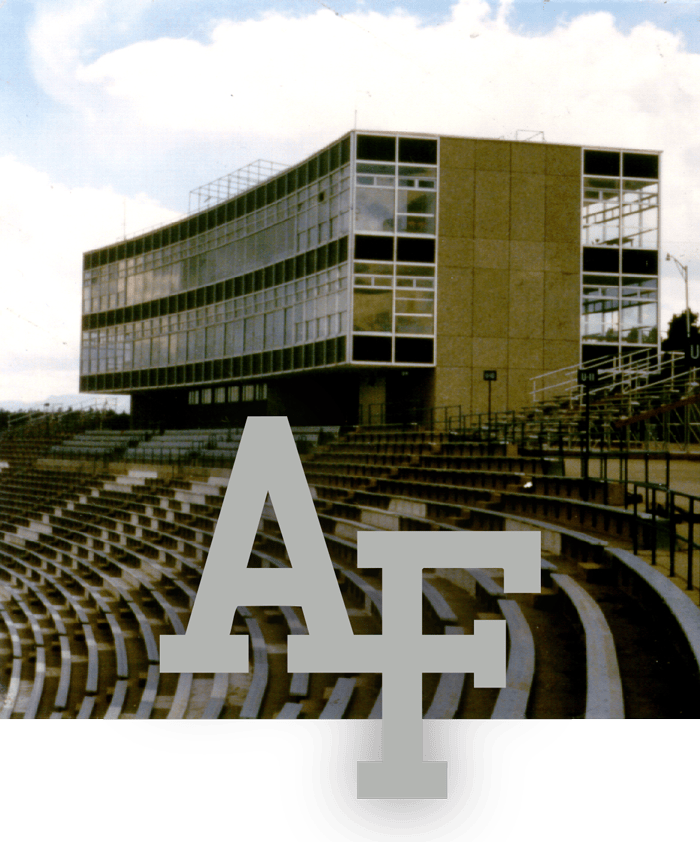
103 537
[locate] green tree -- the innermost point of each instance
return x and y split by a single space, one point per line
677 332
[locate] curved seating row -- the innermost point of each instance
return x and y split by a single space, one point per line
130 606
561 540
449 689
513 699
15 677
130 551
82 629
604 699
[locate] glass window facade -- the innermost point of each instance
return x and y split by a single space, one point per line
395 267
265 282
334 262
620 241
240 290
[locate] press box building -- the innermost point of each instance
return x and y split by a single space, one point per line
386 268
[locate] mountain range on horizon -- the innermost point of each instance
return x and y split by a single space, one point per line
120 403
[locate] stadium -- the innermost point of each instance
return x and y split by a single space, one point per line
464 335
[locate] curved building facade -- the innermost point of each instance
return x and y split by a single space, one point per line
385 270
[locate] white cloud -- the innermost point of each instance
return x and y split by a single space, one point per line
44 229
284 85
474 74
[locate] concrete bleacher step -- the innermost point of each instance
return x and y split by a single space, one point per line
115 669
604 694
514 698
291 710
546 600
596 573
338 698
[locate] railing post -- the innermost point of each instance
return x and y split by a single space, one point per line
691 518
654 527
646 469
671 502
606 495
561 444
635 537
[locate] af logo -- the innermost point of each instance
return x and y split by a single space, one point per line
267 462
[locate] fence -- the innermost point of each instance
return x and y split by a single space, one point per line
670 527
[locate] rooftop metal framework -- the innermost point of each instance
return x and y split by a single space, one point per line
232 184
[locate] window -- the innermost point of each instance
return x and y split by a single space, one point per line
601 211
372 310
640 213
620 234
600 320
371 348
416 150
414 311
414 350
374 248
376 148
638 321
638 165
373 274
640 262
601 260
374 209
215 341
415 250
416 211
601 162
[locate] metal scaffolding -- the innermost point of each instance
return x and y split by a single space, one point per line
232 184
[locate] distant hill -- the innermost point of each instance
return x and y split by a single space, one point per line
120 403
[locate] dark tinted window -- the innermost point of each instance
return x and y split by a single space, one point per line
312 169
374 248
600 260
640 262
414 350
345 150
374 148
637 165
415 250
415 150
597 162
260 195
291 184
371 349
323 163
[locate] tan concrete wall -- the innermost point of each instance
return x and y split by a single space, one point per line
508 268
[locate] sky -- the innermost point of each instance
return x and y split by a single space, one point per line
114 110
